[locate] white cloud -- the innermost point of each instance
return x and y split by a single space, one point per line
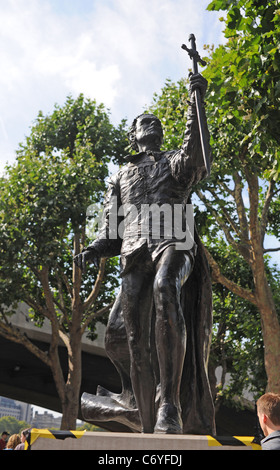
117 51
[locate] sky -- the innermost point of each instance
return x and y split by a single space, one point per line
118 52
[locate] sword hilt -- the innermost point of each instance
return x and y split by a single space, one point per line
194 55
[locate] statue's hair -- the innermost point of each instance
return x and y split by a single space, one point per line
132 131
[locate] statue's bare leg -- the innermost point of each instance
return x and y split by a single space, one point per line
137 309
170 332
116 347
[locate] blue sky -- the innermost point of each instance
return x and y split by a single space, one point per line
119 52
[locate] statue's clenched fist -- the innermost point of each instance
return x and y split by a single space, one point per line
87 256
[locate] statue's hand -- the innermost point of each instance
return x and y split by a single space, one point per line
85 257
197 81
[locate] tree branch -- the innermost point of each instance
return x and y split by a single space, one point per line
12 333
225 212
77 273
264 216
241 247
50 311
243 222
254 227
66 282
94 293
267 250
232 286
35 306
96 315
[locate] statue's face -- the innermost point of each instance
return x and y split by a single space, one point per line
148 130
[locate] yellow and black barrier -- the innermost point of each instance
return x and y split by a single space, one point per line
233 441
205 441
34 434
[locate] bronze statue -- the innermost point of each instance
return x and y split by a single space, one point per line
159 329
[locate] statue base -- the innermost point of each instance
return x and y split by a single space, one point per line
114 441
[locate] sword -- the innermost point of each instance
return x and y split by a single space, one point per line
194 55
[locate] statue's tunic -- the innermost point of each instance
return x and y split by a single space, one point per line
146 202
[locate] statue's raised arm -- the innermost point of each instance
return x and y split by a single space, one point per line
198 101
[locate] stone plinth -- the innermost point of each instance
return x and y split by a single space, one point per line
108 441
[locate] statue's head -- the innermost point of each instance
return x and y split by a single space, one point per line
146 129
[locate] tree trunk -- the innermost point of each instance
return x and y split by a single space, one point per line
70 401
271 331
263 299
269 321
70 409
69 390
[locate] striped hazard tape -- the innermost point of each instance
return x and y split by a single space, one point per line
233 441
50 434
213 441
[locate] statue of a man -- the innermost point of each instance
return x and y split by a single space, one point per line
155 310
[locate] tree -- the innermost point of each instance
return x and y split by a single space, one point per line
244 98
12 425
241 197
237 345
60 171
251 65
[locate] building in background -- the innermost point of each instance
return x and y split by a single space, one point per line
20 411
25 412
45 420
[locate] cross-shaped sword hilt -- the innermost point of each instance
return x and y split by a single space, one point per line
204 144
194 55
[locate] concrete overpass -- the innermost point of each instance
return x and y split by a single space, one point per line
25 378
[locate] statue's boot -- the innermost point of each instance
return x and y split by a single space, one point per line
168 420
125 398
97 408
